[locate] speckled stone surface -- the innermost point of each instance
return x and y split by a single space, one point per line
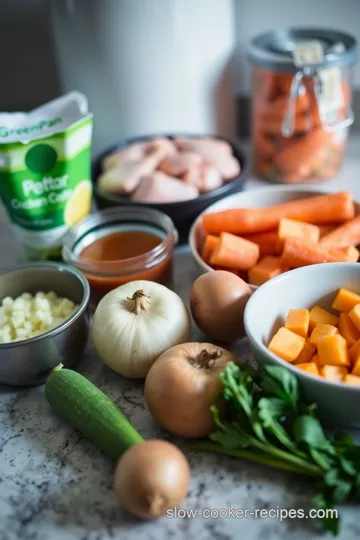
54 485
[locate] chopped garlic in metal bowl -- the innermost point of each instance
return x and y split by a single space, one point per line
30 315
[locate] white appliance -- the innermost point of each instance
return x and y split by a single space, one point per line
148 66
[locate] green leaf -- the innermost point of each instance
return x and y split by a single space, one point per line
321 458
318 500
281 382
331 524
308 429
341 492
331 477
271 410
230 439
343 440
347 466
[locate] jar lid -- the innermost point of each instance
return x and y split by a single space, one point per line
275 50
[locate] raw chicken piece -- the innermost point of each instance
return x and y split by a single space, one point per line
137 151
213 152
178 164
133 152
218 145
126 177
164 144
204 177
159 187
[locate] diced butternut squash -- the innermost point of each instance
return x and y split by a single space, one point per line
356 368
345 300
298 229
297 321
306 354
310 367
266 269
316 360
286 344
333 373
333 350
320 331
352 379
354 315
354 351
348 330
320 315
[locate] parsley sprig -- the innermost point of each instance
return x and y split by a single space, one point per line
268 422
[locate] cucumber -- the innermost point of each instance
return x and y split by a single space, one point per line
90 411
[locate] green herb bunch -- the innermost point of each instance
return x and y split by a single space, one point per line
267 422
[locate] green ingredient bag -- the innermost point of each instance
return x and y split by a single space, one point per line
45 172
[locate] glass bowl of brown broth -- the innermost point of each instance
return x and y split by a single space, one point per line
118 245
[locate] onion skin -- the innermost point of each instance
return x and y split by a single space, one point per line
217 304
151 478
182 384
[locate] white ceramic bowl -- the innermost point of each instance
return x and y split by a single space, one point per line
259 197
302 288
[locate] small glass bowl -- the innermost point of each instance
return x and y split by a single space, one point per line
104 276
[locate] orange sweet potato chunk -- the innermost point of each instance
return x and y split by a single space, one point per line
320 315
320 331
333 373
348 330
286 344
306 354
310 367
345 300
354 380
209 245
354 315
266 269
316 360
298 321
356 366
332 350
298 229
233 251
354 351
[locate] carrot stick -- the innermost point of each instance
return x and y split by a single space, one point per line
279 105
335 207
325 229
297 253
235 252
346 235
208 247
268 242
308 150
351 254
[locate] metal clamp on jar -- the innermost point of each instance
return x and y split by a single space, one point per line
301 108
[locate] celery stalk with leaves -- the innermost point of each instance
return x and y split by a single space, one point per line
268 422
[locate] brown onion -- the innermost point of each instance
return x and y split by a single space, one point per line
217 303
182 384
151 478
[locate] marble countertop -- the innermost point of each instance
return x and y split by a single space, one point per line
54 485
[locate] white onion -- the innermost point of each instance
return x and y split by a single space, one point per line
137 322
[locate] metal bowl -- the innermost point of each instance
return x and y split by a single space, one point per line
28 362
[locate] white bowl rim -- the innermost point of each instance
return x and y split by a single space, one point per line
261 190
256 297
